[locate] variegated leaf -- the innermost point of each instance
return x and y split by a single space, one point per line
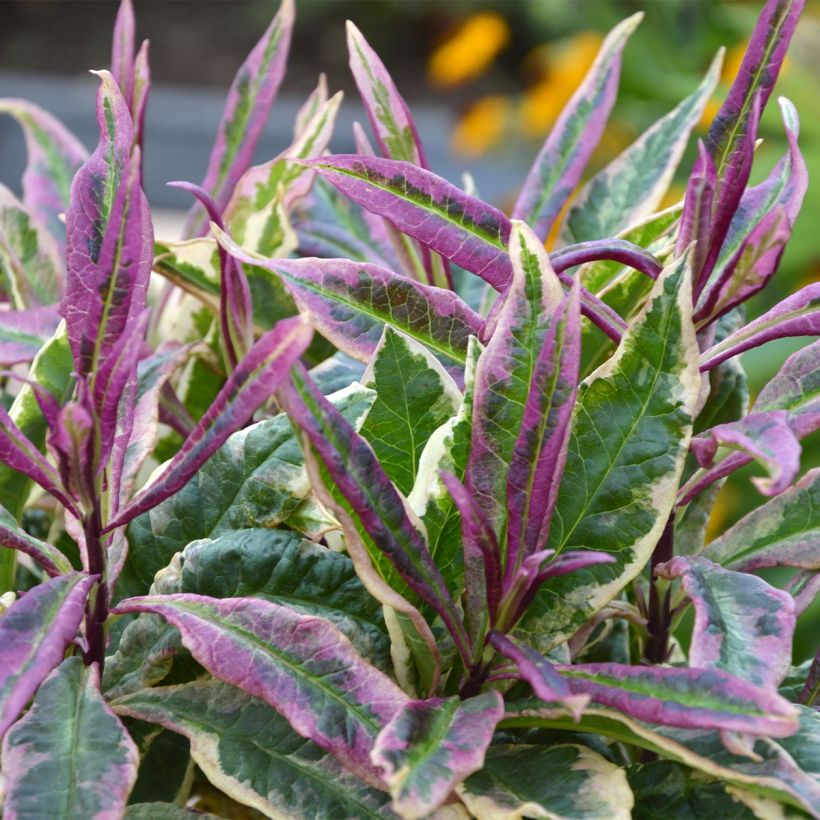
430 746
70 756
631 187
555 781
414 396
250 752
299 664
560 163
618 490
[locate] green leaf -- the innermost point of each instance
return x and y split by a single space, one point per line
630 435
256 479
165 770
664 789
414 396
250 752
448 450
165 811
560 781
279 566
70 756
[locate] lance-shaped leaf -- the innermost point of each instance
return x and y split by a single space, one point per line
109 242
750 269
122 48
350 302
553 781
688 698
54 156
247 214
249 102
617 250
510 374
250 752
796 315
785 187
24 332
299 664
618 490
253 381
34 634
430 746
742 624
15 537
52 371
631 187
538 458
696 219
461 228
766 437
414 396
782 532
256 479
539 673
20 454
775 775
389 116
72 741
279 566
379 509
31 264
755 78
560 163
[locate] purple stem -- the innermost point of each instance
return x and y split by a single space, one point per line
617 250
659 616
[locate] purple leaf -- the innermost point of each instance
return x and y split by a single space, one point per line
24 332
537 462
536 670
139 96
17 452
430 746
688 698
811 689
796 315
54 156
34 634
750 269
525 387
766 437
696 218
389 116
560 163
71 439
482 558
110 242
299 664
249 103
380 510
122 49
755 78
461 228
13 536
350 302
742 624
252 383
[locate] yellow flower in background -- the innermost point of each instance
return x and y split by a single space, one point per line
710 111
482 127
564 72
469 51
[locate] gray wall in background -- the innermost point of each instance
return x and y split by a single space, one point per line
181 123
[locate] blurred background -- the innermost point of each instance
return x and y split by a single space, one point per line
486 81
